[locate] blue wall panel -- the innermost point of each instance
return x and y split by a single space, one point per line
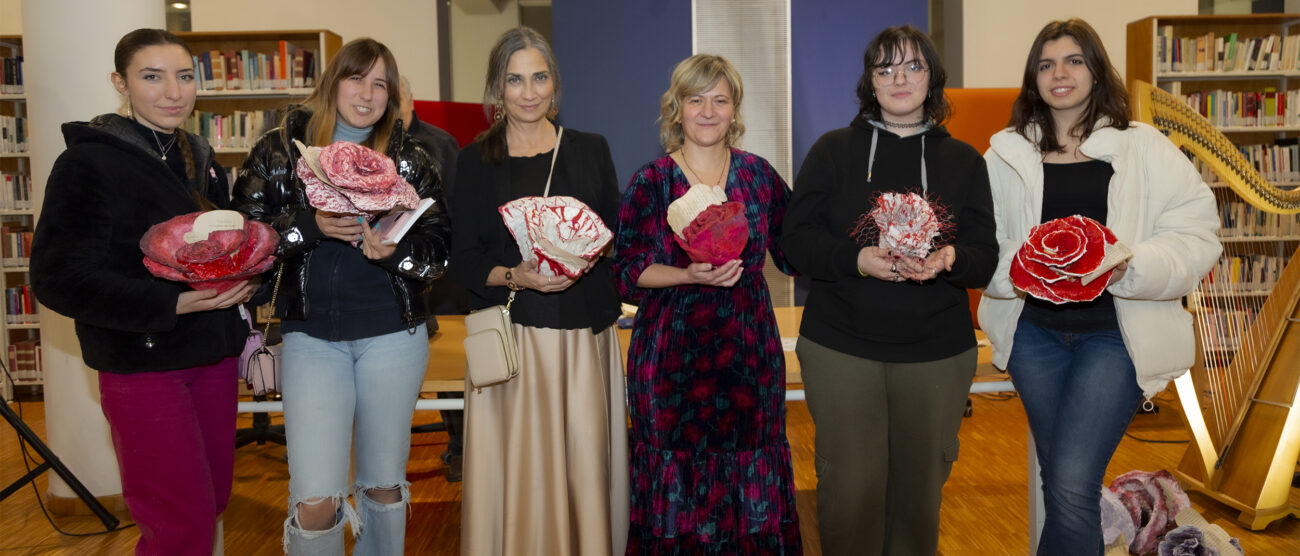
828 38
615 58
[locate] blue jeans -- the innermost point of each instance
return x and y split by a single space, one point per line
330 390
1080 392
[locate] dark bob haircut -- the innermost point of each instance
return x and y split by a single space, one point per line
887 49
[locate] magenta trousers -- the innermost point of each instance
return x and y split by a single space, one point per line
174 434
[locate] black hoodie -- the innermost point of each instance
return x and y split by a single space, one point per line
104 192
875 319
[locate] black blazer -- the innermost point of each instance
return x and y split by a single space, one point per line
481 241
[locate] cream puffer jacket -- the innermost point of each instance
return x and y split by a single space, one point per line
1156 204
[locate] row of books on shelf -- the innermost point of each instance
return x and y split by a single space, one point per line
1279 163
1238 219
15 191
15 246
238 130
1222 330
1244 274
1245 108
25 361
1211 52
13 134
287 67
20 305
11 81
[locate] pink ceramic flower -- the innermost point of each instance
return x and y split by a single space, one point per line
224 259
561 232
364 181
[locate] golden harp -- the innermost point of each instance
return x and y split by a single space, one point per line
1239 400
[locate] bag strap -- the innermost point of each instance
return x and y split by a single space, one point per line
275 292
554 154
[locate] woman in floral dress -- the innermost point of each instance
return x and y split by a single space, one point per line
710 463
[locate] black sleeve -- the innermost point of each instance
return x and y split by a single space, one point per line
472 215
423 252
809 243
71 268
976 242
261 193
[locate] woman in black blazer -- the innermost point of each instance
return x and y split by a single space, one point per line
546 452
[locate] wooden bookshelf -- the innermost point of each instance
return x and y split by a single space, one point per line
16 213
227 102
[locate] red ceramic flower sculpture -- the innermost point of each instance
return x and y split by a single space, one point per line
1058 254
359 180
561 232
717 234
907 223
223 259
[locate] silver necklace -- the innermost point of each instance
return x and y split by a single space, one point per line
919 123
161 149
721 173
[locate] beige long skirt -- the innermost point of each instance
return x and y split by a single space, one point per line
546 453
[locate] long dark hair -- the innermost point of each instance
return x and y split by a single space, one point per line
887 49
127 47
493 140
1108 99
355 58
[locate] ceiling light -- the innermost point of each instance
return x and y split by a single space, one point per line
180 5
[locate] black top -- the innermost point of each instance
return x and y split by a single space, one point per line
481 241
876 319
1069 189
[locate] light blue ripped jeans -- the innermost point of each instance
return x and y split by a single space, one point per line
330 390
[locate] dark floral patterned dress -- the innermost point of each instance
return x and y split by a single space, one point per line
706 380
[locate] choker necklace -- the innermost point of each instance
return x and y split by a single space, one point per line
161 149
918 123
721 174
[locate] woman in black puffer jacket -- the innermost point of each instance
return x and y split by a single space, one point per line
355 346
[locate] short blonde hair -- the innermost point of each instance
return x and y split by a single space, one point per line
693 76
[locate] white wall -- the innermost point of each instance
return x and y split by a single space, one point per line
472 37
408 27
996 34
11 17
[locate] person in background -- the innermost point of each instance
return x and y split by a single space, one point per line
444 295
166 354
711 468
355 348
886 343
1083 368
546 452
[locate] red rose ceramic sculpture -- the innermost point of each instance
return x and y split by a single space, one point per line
561 232
1067 259
707 226
347 178
209 250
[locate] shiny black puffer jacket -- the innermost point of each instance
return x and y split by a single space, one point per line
269 190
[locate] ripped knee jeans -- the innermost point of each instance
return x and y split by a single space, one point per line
346 395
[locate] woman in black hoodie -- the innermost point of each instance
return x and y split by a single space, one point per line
165 352
886 343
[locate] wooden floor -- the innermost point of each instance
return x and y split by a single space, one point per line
984 510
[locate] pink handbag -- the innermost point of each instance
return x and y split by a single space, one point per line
259 364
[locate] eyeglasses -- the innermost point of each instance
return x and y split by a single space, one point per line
913 71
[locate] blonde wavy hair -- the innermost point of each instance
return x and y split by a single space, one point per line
693 76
